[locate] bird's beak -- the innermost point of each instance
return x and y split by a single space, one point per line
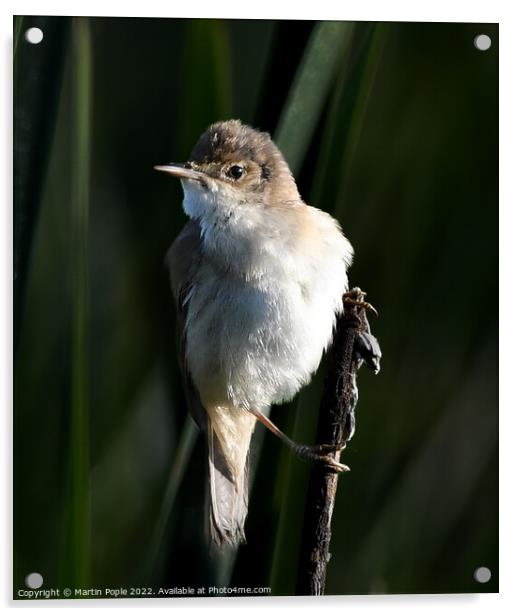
181 171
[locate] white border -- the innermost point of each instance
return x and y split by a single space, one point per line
397 10
379 10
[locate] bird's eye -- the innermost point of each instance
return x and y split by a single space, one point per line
236 172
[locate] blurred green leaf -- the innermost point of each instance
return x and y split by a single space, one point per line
17 33
37 75
362 96
183 452
310 88
207 86
80 506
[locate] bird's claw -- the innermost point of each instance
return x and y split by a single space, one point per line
333 465
361 304
323 454
356 297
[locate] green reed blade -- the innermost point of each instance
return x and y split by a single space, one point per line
80 188
310 88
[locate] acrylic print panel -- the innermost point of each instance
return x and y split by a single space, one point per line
391 128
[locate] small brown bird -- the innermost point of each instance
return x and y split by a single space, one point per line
258 278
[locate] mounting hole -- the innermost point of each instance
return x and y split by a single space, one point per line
482 42
34 580
34 36
482 575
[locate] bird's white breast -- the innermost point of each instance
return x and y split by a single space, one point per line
263 304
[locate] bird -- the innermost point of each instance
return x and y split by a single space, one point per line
257 277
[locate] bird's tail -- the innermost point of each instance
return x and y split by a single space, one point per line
229 436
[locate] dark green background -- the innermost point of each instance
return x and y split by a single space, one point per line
393 129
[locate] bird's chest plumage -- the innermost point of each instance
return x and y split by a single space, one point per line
255 337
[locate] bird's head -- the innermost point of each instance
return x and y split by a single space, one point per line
233 166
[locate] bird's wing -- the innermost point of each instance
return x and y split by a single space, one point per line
182 260
228 493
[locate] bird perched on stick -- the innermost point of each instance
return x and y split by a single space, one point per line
258 278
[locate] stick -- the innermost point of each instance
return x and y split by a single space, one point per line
353 345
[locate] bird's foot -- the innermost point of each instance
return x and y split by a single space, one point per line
323 454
